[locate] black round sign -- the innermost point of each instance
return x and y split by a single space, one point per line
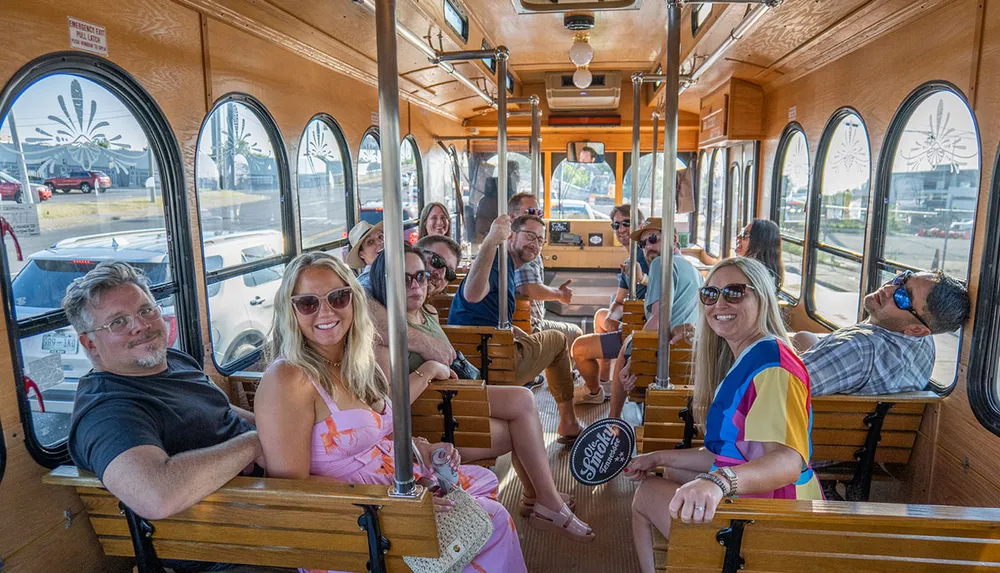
602 451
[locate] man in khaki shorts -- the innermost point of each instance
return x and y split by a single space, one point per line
477 303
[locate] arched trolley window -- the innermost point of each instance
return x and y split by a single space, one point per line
411 170
325 182
244 197
789 199
716 202
90 172
838 216
704 181
926 196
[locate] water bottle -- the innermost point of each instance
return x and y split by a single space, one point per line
446 476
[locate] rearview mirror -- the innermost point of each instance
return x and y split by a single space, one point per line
585 152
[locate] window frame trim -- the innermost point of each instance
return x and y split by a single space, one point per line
813 219
287 212
984 356
166 151
347 160
462 15
711 196
699 219
781 153
695 28
878 208
419 158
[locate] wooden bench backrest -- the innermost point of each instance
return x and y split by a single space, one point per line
644 353
839 426
782 536
469 406
500 348
634 317
310 523
522 310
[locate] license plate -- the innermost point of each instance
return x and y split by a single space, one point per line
60 343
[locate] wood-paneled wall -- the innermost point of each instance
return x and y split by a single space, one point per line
956 460
185 61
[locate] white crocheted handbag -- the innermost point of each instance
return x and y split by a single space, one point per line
462 534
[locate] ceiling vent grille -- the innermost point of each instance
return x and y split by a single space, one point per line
604 92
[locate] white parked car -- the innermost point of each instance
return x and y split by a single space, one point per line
240 309
575 209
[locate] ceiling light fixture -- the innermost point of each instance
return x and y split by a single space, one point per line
581 53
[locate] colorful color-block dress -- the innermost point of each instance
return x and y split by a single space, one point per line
764 398
355 446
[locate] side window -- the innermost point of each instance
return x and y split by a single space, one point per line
929 184
243 189
455 16
370 178
717 199
75 114
704 182
737 218
839 209
791 181
325 184
411 172
699 15
647 182
575 185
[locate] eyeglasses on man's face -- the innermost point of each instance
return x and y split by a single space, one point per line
125 323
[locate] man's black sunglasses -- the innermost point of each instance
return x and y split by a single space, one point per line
438 262
650 240
623 223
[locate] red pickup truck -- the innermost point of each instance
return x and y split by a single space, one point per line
10 190
85 181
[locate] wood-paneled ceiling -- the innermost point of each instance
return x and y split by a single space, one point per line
790 41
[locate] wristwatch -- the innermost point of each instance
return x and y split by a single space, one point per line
734 481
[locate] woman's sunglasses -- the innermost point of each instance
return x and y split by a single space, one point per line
307 304
627 223
417 278
902 296
733 293
650 240
437 261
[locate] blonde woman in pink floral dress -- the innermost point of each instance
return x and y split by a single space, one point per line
323 338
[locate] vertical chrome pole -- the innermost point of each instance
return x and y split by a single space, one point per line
392 201
652 183
671 96
633 248
503 321
536 146
27 193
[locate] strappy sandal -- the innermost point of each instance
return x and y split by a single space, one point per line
563 523
528 503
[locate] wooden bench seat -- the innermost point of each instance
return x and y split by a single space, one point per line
852 436
785 536
313 523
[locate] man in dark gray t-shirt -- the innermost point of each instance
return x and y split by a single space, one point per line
147 420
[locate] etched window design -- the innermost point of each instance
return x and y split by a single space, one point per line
324 185
241 185
842 201
792 179
80 184
717 201
932 194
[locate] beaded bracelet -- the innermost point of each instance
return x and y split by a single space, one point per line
716 480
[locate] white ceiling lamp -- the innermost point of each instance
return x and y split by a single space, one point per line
581 53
